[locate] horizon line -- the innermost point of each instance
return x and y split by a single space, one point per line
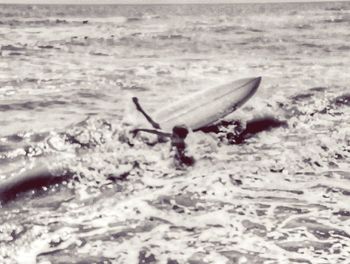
174 3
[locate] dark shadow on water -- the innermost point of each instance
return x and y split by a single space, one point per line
342 100
258 125
238 134
31 179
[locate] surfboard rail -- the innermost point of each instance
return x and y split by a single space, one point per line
207 106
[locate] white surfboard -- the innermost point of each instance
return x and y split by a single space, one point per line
207 106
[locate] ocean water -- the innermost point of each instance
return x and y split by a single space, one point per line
283 196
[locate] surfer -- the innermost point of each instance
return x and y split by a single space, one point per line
177 137
178 147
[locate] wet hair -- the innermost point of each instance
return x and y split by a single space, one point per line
180 131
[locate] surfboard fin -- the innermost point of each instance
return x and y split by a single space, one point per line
149 119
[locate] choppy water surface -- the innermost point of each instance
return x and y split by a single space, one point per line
280 197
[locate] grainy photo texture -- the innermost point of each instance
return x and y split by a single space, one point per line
175 133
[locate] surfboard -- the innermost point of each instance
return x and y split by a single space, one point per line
207 106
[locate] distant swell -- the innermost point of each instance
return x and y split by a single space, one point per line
31 105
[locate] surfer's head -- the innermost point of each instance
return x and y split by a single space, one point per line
180 131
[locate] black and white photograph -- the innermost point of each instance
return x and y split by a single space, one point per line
174 132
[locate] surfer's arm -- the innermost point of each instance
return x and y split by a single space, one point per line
151 131
149 119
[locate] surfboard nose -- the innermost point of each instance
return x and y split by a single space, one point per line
256 82
252 85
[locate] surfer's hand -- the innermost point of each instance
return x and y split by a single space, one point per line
134 132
